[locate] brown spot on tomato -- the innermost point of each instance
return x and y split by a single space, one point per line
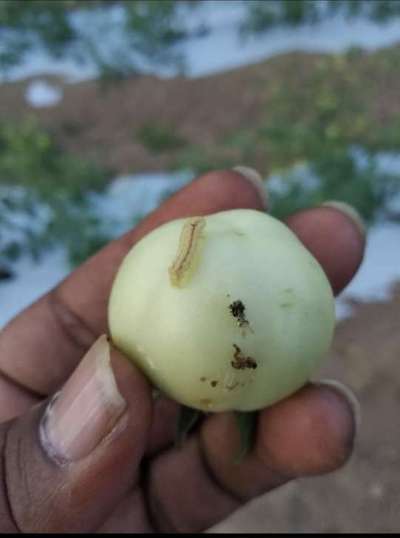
241 362
233 386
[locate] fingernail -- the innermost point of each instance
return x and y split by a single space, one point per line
348 395
256 180
86 410
350 212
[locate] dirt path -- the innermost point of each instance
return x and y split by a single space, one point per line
102 122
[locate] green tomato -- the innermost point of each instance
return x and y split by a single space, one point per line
224 312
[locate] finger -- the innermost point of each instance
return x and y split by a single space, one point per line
130 516
310 433
163 428
13 400
62 325
335 235
67 465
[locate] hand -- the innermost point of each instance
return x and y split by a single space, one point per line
99 455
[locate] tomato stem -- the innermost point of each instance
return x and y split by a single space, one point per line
247 424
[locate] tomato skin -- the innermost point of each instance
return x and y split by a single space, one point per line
224 312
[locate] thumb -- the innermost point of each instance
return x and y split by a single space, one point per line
67 463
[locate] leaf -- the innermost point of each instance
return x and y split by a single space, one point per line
247 424
187 419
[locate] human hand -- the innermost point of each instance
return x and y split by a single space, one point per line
99 456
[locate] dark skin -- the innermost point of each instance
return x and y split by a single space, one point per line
138 481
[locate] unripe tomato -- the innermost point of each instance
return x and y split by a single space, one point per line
223 312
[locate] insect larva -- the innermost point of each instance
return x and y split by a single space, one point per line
187 249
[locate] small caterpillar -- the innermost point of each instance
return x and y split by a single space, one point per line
187 249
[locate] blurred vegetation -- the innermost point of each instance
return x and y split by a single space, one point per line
336 176
147 31
158 138
317 133
263 15
43 195
324 123
30 157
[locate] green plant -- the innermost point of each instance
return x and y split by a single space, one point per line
148 28
317 117
43 195
159 138
261 15
30 157
335 176
201 159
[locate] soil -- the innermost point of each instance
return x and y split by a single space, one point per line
102 123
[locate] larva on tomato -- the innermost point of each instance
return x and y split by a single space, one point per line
201 305
189 242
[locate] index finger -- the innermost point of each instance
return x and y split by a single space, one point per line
41 347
